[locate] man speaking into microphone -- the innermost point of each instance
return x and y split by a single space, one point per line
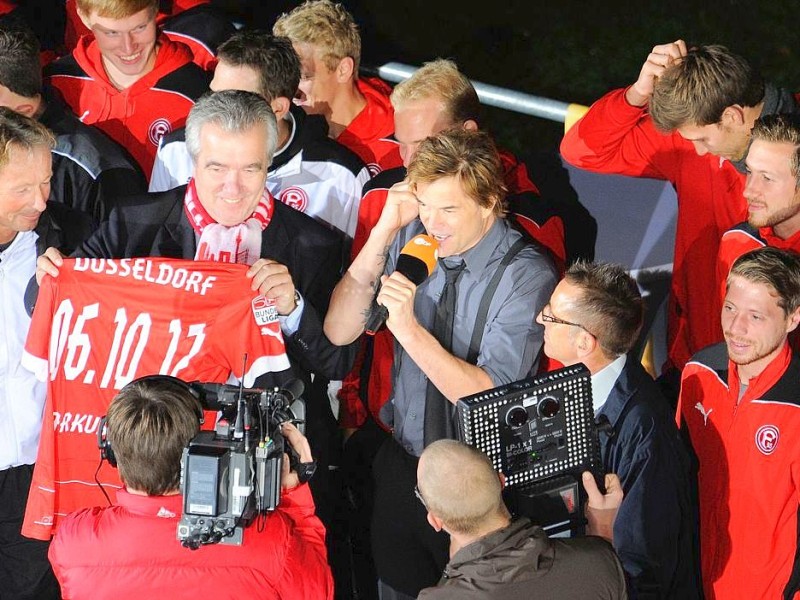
468 327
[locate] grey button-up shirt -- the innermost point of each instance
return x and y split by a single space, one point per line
511 340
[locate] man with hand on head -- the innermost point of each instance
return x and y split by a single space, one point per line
687 120
495 556
446 346
130 550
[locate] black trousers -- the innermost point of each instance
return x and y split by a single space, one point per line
409 555
357 458
25 572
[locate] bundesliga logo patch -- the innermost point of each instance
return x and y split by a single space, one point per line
264 310
767 439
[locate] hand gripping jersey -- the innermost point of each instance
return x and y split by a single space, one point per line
103 323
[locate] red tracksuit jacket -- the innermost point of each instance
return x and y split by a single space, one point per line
138 116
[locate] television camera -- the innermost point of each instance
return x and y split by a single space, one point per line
231 475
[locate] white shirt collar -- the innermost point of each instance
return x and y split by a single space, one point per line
292 130
603 381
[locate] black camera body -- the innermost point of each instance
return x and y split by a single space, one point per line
232 474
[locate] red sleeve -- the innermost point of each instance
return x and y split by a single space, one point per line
306 571
352 413
615 137
39 512
369 211
253 329
35 357
550 234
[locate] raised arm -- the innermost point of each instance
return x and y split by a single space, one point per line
616 135
353 295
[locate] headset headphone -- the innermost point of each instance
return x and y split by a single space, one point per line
106 451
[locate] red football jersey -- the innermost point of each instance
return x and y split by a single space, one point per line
103 323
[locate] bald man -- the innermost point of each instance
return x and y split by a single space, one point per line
493 555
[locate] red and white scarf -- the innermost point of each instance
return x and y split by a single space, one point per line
237 244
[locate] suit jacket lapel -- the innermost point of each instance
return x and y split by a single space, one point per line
274 238
176 238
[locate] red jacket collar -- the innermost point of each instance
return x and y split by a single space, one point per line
171 55
167 507
768 235
759 385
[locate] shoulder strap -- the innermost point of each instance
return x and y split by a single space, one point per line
486 300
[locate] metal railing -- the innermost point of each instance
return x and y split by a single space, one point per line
492 95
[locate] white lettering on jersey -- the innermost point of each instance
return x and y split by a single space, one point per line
128 344
142 269
75 423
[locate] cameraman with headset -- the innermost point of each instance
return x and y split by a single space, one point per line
131 550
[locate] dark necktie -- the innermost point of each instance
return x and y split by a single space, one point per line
438 409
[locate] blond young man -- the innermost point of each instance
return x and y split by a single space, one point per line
739 405
357 110
90 172
127 78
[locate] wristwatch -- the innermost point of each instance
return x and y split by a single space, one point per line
305 470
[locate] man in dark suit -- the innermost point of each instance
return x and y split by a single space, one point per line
594 317
226 214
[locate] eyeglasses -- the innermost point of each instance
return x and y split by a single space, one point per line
553 319
419 497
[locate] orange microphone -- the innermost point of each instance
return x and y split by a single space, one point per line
416 262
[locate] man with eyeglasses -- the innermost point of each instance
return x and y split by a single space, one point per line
594 317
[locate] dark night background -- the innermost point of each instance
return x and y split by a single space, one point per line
568 50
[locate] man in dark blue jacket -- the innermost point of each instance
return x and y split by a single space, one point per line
594 317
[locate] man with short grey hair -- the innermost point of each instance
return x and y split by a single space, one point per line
226 214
